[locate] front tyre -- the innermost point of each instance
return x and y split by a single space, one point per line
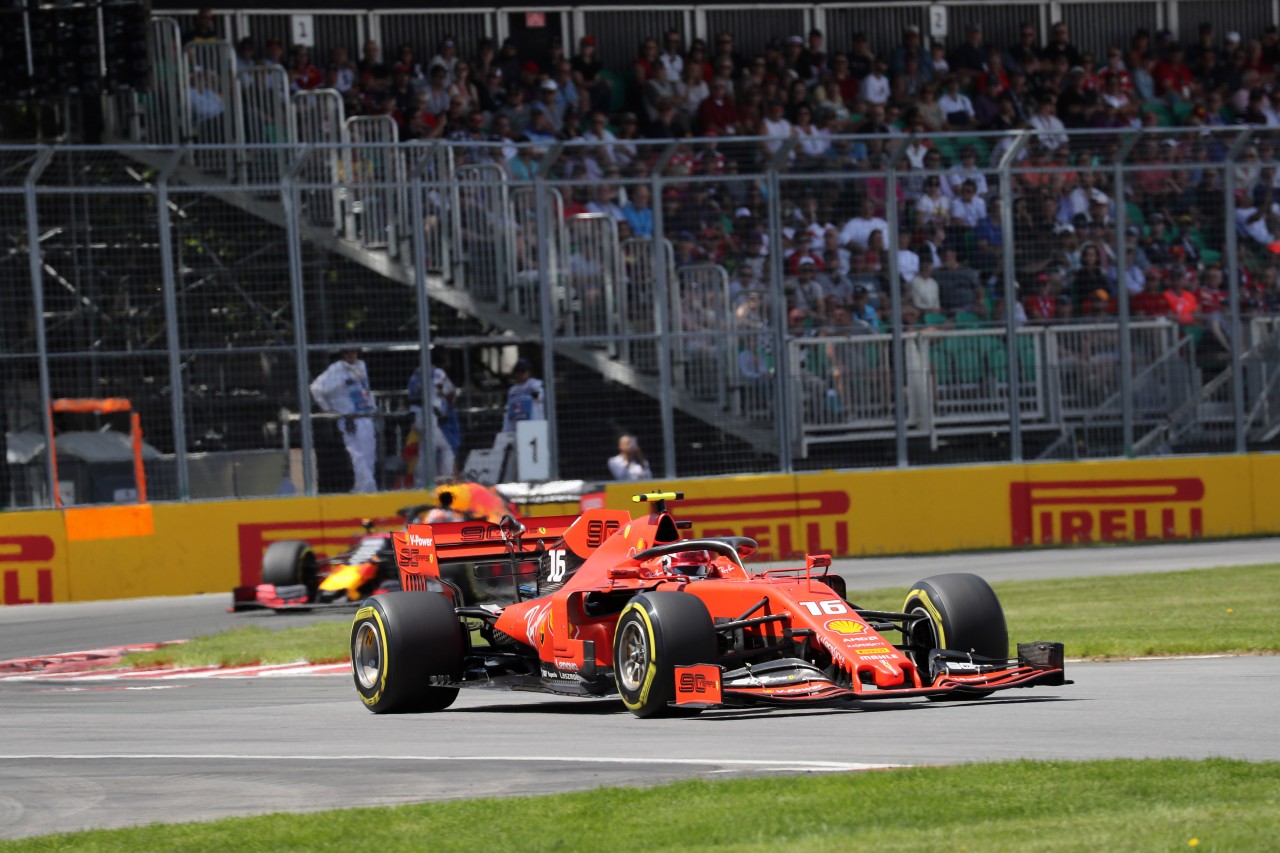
288 563
657 632
962 614
399 642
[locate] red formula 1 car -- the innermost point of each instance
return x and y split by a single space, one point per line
294 578
602 603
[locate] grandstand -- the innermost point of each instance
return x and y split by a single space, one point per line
809 236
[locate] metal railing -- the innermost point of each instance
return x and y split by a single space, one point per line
1094 26
222 268
318 119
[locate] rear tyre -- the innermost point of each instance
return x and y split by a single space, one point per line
963 615
399 641
657 632
288 563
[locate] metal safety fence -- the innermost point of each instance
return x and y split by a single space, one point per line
895 301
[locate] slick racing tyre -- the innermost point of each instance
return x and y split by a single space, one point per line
657 632
288 563
964 615
398 642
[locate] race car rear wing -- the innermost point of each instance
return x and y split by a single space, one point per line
422 547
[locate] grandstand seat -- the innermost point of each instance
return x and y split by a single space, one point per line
1163 116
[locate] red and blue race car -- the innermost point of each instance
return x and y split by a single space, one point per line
294 577
604 603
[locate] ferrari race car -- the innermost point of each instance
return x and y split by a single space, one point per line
603 603
294 578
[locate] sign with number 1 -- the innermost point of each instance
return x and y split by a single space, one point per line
304 29
533 451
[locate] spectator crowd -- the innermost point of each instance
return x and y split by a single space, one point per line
939 113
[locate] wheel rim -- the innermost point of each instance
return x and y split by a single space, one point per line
633 656
924 636
924 632
366 655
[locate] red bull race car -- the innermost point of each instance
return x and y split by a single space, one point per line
295 578
604 603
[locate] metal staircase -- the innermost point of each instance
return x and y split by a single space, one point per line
353 185
1210 406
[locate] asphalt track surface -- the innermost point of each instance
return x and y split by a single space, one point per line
53 628
91 754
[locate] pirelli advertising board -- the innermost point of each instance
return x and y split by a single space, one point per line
963 508
93 553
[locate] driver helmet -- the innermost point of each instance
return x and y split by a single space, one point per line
691 563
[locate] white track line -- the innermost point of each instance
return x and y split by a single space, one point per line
833 766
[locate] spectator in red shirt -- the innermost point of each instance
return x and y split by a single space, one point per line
1042 305
1150 302
646 66
303 76
717 112
847 84
1116 68
1256 59
1172 77
994 71
1092 79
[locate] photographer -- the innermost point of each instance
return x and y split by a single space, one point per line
630 463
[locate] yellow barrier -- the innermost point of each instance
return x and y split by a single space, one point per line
94 553
923 510
33 558
175 549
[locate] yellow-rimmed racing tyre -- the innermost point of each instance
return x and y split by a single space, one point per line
402 645
290 562
963 615
657 632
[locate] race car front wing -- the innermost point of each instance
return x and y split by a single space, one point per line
795 681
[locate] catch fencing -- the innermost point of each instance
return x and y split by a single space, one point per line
1111 297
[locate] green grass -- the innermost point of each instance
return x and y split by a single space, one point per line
1214 805
1170 613
1212 610
320 642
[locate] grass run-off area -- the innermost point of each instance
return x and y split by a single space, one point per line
1165 805
1172 613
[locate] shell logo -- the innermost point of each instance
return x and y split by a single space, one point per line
846 626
